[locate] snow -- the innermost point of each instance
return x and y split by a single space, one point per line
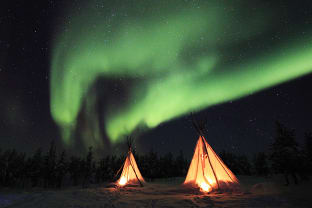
255 192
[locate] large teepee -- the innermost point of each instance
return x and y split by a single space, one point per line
130 172
207 171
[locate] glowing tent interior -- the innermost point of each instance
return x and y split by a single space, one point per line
130 172
207 171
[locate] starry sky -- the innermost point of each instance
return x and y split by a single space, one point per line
88 73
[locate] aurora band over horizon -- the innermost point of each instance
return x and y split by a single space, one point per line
181 57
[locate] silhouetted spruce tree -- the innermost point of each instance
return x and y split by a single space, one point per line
165 167
103 169
61 169
94 163
36 168
143 166
2 166
261 164
230 161
6 171
19 169
10 160
113 167
74 169
180 165
244 165
27 168
25 175
88 168
49 166
12 168
162 172
98 171
152 164
284 153
308 152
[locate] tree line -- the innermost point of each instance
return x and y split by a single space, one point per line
54 169
284 156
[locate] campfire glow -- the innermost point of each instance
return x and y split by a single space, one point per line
205 187
122 181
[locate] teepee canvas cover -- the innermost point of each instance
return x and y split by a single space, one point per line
207 170
130 172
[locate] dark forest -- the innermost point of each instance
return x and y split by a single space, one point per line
56 169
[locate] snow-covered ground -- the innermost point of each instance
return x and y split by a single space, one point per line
255 192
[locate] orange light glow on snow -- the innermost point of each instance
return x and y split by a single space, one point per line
122 181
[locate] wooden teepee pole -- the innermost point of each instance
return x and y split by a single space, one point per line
222 165
197 161
134 169
120 169
203 170
214 173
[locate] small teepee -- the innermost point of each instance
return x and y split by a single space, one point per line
130 172
207 171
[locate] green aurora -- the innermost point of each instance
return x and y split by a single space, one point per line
183 57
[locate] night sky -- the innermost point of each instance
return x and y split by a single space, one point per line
87 74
